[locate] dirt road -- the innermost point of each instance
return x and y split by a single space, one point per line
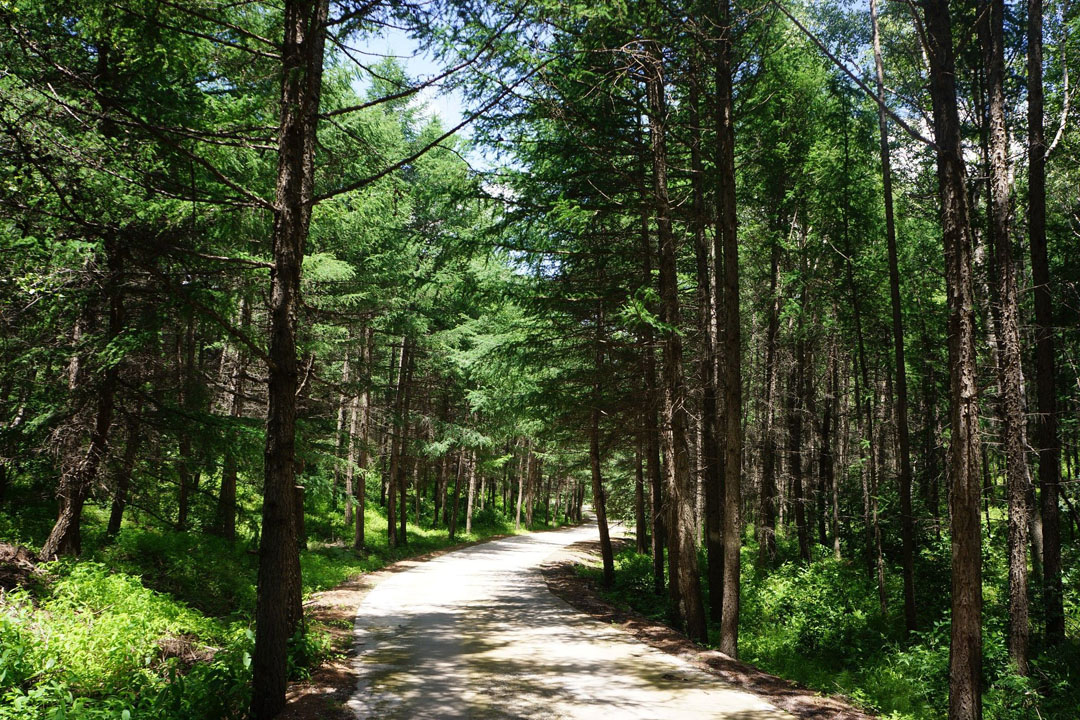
475 634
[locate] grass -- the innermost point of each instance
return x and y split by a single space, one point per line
821 626
157 624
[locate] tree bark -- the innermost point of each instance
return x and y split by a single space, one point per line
123 476
278 610
452 528
1010 374
795 438
65 538
396 441
225 516
767 516
1046 426
965 656
599 503
346 408
706 278
360 537
728 249
678 483
403 443
650 414
189 478
907 519
827 461
472 493
522 469
641 527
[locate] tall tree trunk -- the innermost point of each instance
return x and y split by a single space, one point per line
864 396
440 490
678 482
278 609
225 516
651 410
396 442
795 437
346 413
599 503
452 527
350 458
472 493
965 655
728 249
360 537
1046 426
65 538
767 518
710 453
641 527
531 483
403 444
123 476
907 519
827 460
1010 374
523 470
189 478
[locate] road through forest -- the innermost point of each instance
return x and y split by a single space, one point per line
475 634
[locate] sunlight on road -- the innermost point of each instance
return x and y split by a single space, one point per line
476 634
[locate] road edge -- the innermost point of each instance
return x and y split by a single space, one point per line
563 581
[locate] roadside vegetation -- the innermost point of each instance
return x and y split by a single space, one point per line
820 625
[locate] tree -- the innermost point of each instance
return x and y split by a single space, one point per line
965 655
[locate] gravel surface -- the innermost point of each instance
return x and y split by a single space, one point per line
476 634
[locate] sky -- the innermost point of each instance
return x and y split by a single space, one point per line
420 66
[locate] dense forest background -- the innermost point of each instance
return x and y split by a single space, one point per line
791 288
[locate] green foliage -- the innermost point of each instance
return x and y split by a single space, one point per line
94 643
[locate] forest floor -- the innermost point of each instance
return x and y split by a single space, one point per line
476 633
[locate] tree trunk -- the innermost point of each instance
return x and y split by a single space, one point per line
189 479
641 527
795 440
225 516
728 248
599 504
278 609
523 468
827 460
472 493
65 538
650 415
440 490
965 656
767 517
402 474
1046 426
457 493
678 482
360 537
1010 374
396 441
123 476
907 520
531 483
346 407
710 453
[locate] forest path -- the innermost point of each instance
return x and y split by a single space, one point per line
475 634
